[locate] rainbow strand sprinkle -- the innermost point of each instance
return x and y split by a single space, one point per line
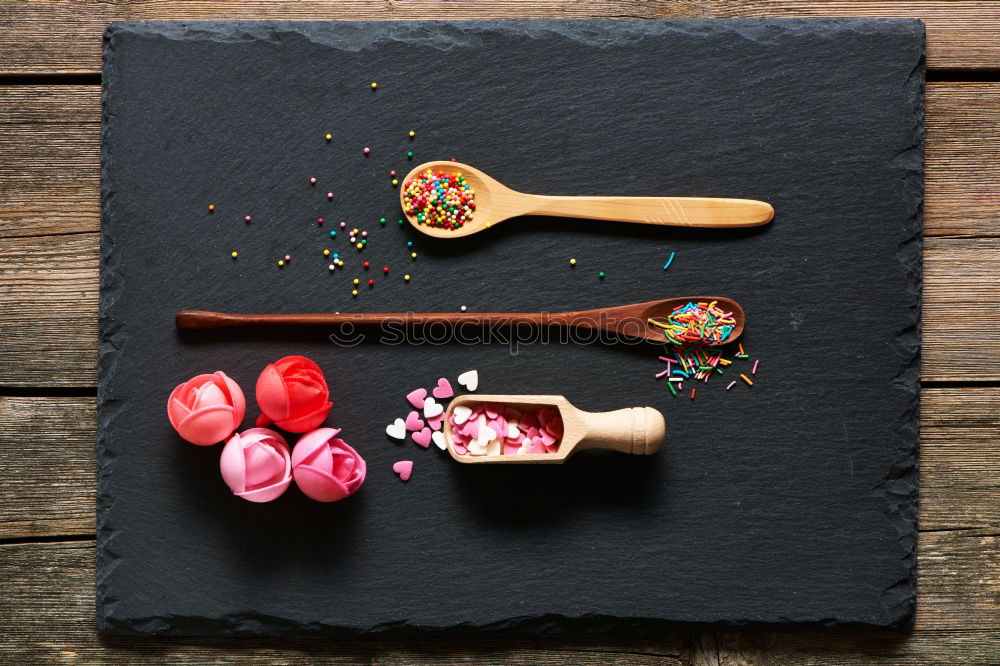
697 323
695 333
439 199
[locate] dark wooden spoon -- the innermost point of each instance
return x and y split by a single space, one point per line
626 320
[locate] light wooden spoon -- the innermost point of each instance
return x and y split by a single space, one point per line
638 430
496 203
625 320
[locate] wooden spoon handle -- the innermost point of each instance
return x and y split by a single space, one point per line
201 319
638 430
672 211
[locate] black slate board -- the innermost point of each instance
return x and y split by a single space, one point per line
791 502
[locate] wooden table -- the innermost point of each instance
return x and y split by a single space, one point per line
49 218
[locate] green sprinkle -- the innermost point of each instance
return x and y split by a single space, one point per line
672 389
601 275
381 221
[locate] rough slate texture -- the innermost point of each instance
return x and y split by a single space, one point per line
791 502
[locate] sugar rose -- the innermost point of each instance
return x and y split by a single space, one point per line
325 467
292 393
256 465
206 409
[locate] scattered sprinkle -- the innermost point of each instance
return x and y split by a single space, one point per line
332 267
406 278
572 262
288 257
413 255
412 134
731 384
395 182
365 265
329 137
755 364
409 243
692 393
211 208
464 308
357 281
600 275
281 263
360 245
367 150
404 468
399 222
374 85
669 261
312 181
333 234
329 195
672 389
343 224
746 379
354 292
235 254
409 154
371 283
319 220
246 219
385 269
381 220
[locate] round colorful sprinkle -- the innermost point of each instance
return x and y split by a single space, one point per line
439 199
374 85
211 207
406 278
312 181
367 150
412 134
246 219
572 262
235 254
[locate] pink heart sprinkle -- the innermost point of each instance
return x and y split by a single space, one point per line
416 397
404 468
492 410
413 421
435 423
443 389
422 437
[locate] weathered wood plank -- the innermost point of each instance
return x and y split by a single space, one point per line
50 159
47 596
48 297
64 36
47 466
49 291
49 463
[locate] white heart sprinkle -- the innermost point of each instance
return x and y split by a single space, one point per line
460 414
469 379
476 448
512 431
397 430
438 439
432 408
487 435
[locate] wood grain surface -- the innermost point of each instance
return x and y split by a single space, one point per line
49 218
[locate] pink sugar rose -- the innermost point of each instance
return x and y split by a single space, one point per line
256 465
206 409
325 468
292 393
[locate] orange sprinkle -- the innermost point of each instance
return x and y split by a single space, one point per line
746 379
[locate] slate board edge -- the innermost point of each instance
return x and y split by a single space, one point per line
899 486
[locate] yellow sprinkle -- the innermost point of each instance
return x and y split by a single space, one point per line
374 85
406 277
329 136
723 361
357 281
746 379
211 207
354 292
281 262
326 253
235 254
412 134
572 262
413 255
395 182
360 245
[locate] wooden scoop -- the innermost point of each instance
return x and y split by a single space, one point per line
637 430
626 320
495 203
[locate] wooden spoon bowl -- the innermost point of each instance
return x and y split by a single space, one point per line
495 203
635 430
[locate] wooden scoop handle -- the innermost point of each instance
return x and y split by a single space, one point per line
638 430
672 211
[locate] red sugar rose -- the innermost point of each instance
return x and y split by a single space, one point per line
292 393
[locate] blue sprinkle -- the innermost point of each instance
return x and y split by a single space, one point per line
669 261
333 234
